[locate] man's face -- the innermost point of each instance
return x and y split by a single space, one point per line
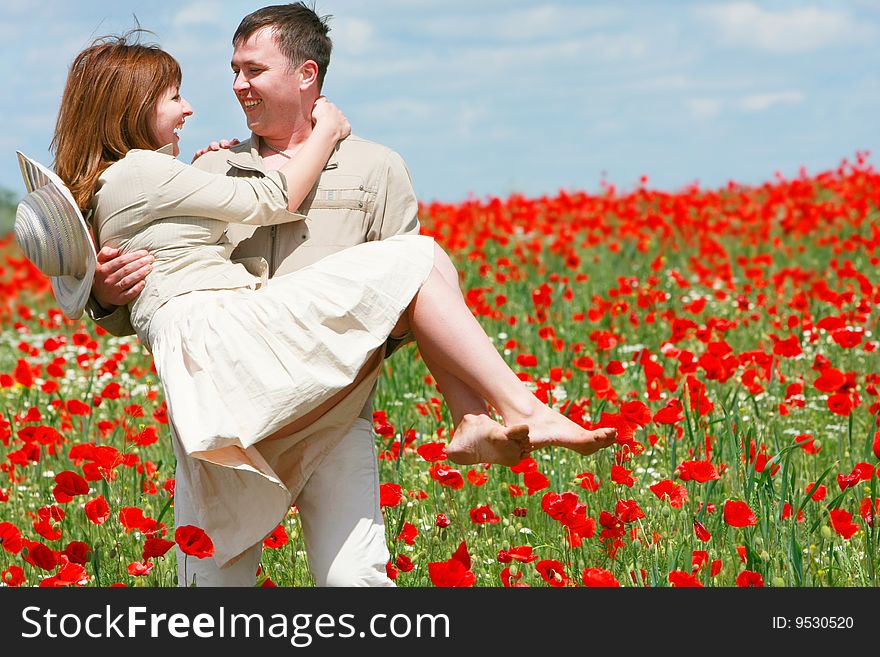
266 88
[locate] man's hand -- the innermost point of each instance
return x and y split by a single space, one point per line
215 146
120 278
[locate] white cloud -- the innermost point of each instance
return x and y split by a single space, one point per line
201 12
801 29
703 108
355 36
761 102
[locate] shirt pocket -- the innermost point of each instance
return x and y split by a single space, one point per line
342 192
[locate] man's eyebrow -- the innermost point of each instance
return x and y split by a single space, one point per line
248 62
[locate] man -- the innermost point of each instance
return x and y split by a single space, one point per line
281 54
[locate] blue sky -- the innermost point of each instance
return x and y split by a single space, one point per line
499 96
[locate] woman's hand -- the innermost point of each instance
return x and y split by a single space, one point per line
327 116
215 146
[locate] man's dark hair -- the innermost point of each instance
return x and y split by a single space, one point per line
299 32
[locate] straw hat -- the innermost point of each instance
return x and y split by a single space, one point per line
53 235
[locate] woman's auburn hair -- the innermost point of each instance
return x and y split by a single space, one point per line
108 108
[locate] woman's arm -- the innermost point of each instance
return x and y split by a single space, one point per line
304 167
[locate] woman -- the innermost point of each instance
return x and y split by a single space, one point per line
242 360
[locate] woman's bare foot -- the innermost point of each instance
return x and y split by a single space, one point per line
548 427
480 439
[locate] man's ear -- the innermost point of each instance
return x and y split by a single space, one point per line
309 75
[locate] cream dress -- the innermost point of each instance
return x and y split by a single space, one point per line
240 357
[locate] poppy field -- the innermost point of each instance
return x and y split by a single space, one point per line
728 334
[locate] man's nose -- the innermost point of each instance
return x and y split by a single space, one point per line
240 83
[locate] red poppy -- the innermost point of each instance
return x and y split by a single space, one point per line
864 470
391 571
842 523
840 404
680 579
552 572
699 559
669 414
675 493
846 338
44 524
628 510
588 481
13 576
477 477
432 451
867 513
598 577
749 579
145 437
408 533
140 568
877 444
522 553
526 465
739 514
635 412
133 517
193 541
455 572
97 510
78 552
526 360
510 579
390 495
807 443
622 476
404 563
76 407
68 485
10 538
699 471
535 481
483 515
829 380
442 521
848 480
701 531
816 493
42 556
69 574
446 476
156 547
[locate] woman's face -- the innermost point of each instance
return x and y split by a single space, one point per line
171 112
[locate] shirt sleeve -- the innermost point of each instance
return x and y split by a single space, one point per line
397 208
177 189
117 322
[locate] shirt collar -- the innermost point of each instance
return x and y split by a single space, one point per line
251 159
167 149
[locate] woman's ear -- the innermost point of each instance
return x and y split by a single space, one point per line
309 75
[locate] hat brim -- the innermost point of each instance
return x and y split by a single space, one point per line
71 292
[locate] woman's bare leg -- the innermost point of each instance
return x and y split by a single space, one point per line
477 437
459 354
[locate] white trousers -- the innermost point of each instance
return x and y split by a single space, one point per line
342 521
